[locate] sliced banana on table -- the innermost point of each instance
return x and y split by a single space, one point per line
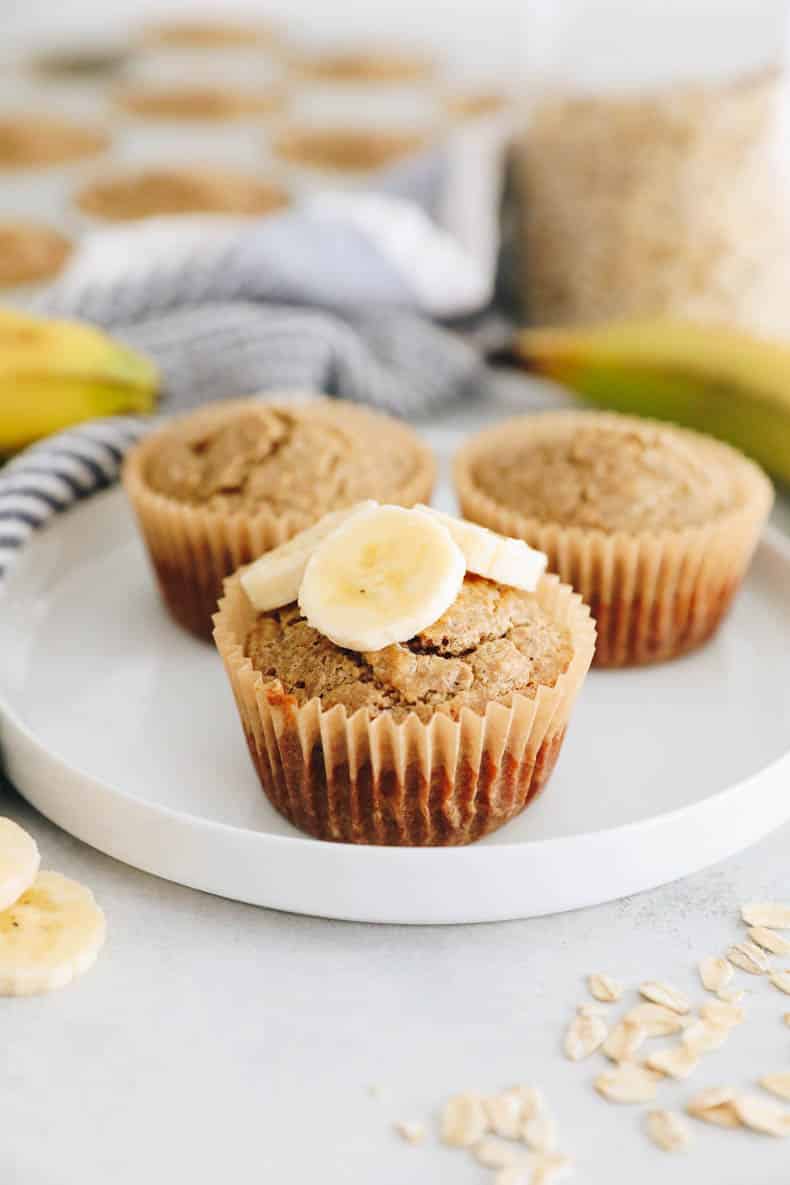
274 579
381 577
48 937
19 861
497 557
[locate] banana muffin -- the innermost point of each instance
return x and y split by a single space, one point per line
31 253
159 192
435 741
654 525
199 102
217 488
38 141
346 150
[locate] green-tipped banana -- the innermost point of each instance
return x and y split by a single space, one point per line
727 383
57 373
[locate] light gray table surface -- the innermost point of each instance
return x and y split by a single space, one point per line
218 1042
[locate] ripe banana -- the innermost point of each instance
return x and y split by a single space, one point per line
53 933
721 381
57 373
507 561
19 861
381 577
274 579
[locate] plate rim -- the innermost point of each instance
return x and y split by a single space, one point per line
472 856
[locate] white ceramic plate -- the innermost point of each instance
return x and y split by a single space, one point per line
121 729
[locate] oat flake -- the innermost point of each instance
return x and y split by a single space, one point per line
411 1130
585 1034
778 1084
749 957
464 1120
769 940
677 1061
664 994
628 1083
540 1133
715 974
715 1105
667 1130
767 913
655 1019
495 1154
625 1039
721 1014
781 980
604 988
762 1116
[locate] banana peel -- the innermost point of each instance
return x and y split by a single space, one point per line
721 381
57 373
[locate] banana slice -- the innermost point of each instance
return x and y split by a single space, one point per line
274 579
497 557
381 577
19 862
52 934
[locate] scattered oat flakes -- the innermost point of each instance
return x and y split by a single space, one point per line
767 913
666 995
464 1120
715 1105
624 1040
495 1154
628 1083
550 1168
540 1133
721 1013
585 1034
715 974
769 940
703 1037
781 980
676 1061
411 1130
604 988
504 1113
667 1130
749 957
761 1115
778 1084
532 1101
656 1020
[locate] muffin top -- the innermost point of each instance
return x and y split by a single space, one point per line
346 149
609 472
493 642
30 252
35 141
367 66
158 192
198 102
302 459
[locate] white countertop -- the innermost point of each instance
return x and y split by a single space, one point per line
215 1041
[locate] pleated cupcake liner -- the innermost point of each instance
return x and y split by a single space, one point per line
654 595
352 779
193 549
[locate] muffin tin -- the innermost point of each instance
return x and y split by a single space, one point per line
314 91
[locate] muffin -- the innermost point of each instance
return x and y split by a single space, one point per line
160 191
364 66
435 741
206 34
346 150
654 525
199 102
31 253
217 488
38 141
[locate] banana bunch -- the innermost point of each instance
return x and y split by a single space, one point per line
56 373
720 381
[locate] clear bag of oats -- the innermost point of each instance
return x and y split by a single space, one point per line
652 162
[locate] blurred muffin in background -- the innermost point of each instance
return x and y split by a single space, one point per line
207 34
346 150
162 191
199 102
366 65
34 141
475 104
30 252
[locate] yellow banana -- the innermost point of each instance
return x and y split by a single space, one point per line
718 380
57 373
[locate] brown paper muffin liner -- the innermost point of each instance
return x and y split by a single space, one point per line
192 549
354 779
653 595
